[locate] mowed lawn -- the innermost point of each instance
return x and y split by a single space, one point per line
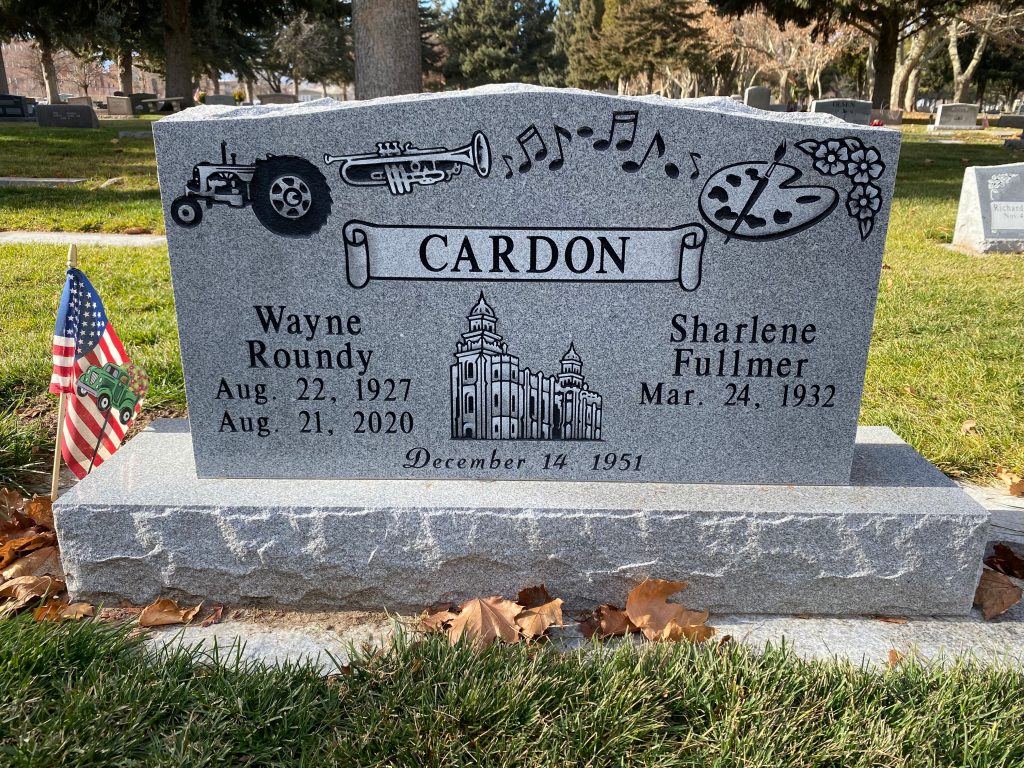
948 342
132 205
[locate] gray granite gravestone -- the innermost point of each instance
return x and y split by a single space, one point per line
277 98
851 110
219 99
991 213
521 284
396 312
66 116
956 117
13 107
757 96
887 116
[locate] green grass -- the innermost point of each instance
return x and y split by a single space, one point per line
946 347
82 694
96 155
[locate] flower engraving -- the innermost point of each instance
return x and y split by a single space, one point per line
864 165
831 157
861 164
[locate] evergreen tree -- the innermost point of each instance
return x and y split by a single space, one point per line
500 41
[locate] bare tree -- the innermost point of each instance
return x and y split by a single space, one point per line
3 72
920 46
984 23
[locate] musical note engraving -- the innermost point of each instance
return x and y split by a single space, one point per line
508 164
657 143
627 120
558 162
524 139
694 157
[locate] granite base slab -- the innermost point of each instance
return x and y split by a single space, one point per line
901 539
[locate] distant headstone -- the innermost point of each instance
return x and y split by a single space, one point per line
82 100
120 106
13 107
66 116
1010 121
476 213
854 111
887 116
277 98
737 97
757 96
222 99
991 213
956 117
778 108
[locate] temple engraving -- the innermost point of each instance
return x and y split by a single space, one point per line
493 398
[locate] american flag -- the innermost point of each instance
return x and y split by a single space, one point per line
84 338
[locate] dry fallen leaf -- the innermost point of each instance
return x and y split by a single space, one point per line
891 619
23 542
996 594
437 621
1014 482
10 502
43 561
40 509
968 426
56 609
484 620
895 657
1005 560
910 390
534 622
24 590
607 621
214 617
166 611
647 607
532 597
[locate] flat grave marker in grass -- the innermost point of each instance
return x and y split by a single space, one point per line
513 285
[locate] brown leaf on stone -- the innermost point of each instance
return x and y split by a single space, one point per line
1013 482
484 620
891 619
166 611
41 562
214 617
895 657
647 607
968 426
1005 560
23 542
22 591
40 509
534 622
533 597
437 621
78 611
996 594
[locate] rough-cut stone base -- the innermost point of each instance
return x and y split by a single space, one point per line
901 539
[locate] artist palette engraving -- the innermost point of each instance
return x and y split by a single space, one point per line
524 283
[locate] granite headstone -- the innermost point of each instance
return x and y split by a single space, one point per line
66 116
887 116
219 99
956 117
991 213
13 107
277 98
757 96
513 283
854 111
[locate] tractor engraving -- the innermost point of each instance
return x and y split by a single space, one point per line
288 194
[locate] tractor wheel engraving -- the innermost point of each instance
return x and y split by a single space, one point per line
82 392
125 415
104 402
186 212
290 196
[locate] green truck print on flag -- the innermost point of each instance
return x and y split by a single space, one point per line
112 387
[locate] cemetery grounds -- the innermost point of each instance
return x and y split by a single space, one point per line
946 373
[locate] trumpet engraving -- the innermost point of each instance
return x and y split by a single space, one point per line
399 166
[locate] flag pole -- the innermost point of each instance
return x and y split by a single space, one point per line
61 407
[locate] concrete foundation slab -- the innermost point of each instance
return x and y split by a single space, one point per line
901 539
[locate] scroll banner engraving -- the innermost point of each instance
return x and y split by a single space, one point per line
603 255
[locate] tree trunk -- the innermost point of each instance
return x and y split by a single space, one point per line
886 48
910 98
215 81
4 89
918 48
124 70
784 87
386 42
297 83
177 49
250 91
323 87
49 73
962 76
